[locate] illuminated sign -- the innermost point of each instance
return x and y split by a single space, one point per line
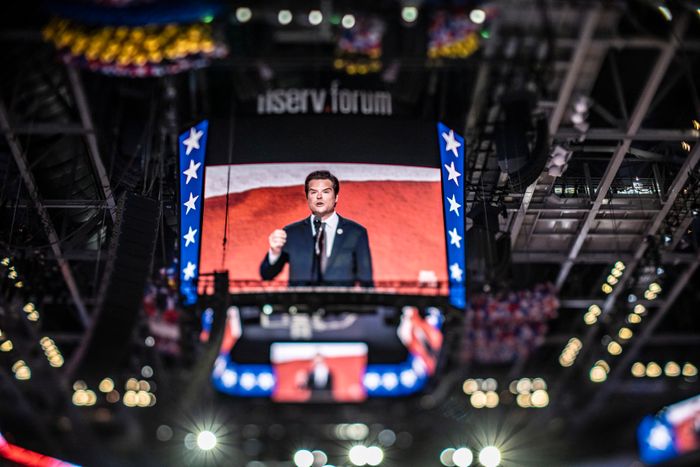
335 100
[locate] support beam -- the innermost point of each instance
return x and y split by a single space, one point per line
676 187
550 257
91 140
640 341
647 134
584 42
46 221
636 119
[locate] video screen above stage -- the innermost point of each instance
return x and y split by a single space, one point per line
388 233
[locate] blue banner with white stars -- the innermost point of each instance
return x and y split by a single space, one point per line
452 170
193 144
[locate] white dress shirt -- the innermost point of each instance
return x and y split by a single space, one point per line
331 227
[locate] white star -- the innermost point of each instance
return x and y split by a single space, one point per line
191 172
192 141
189 236
190 203
453 174
454 237
452 143
454 205
456 272
189 271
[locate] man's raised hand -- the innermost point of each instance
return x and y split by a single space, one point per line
277 240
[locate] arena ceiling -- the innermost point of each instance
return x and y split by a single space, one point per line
617 85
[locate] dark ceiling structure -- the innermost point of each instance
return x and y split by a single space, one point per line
611 86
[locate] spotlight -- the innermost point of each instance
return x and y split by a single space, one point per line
358 455
625 333
106 385
348 21
638 370
243 14
653 370
634 318
284 17
672 369
614 348
598 374
320 457
303 458
539 398
665 12
462 457
689 370
375 455
477 16
490 456
447 457
315 17
409 14
206 440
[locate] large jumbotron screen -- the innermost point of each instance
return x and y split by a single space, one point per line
399 206
389 240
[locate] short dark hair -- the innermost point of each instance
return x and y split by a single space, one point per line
322 175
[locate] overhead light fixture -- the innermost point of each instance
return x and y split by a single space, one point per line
243 14
409 14
653 370
665 12
598 374
462 457
348 21
672 369
315 17
614 348
358 455
447 457
490 456
375 455
477 16
284 17
689 370
625 333
638 370
303 458
634 319
540 398
206 440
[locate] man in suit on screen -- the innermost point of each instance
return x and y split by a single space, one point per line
324 248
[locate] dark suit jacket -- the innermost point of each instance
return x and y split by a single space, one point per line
350 261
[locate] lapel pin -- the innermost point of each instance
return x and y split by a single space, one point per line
340 232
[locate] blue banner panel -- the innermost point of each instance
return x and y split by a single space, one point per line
452 163
193 144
